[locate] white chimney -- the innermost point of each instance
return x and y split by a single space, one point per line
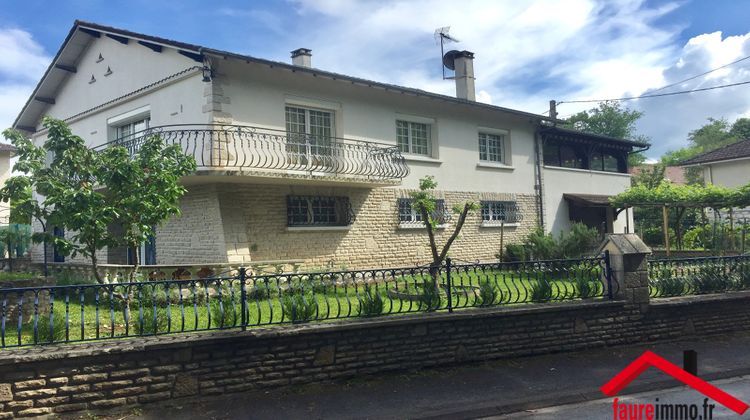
464 67
302 57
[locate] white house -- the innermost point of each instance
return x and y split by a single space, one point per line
299 163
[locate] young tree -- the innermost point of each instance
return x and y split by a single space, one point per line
611 119
145 188
425 203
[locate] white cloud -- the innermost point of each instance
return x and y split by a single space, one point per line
23 58
23 64
669 120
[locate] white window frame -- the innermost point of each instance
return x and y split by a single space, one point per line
431 126
505 150
129 119
415 221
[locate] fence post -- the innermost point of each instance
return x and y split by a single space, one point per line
448 264
243 297
608 273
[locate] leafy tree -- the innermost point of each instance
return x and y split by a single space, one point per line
145 188
611 119
425 203
651 176
741 129
85 192
714 134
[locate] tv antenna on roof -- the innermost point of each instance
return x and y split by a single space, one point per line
445 38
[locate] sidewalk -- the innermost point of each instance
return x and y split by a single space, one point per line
469 391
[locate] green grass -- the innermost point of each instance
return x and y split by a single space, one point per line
268 304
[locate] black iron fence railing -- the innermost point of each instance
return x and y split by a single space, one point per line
694 276
53 314
244 147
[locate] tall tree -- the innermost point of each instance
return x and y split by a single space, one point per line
145 188
741 129
611 119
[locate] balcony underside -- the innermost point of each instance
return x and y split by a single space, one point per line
206 175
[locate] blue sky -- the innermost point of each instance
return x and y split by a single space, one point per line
526 52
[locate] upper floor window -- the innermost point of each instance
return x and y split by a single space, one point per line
564 155
500 211
603 161
492 147
414 137
309 131
318 211
409 215
126 130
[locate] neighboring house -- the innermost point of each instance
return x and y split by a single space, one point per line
7 151
728 166
673 174
297 163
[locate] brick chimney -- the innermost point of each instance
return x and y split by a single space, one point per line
464 68
302 57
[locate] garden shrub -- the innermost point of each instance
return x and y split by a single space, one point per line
542 246
44 335
224 311
430 298
371 303
666 283
581 240
712 278
488 293
299 306
541 291
515 253
151 323
586 287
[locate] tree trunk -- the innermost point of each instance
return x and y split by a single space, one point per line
95 267
136 261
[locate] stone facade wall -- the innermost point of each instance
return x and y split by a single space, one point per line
197 235
103 375
252 222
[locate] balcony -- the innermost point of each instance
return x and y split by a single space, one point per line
258 152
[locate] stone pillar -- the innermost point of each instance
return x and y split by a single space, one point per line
628 257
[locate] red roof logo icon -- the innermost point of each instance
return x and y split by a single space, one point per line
648 359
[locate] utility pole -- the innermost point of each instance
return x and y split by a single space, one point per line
553 109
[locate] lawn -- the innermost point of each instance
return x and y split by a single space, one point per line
212 304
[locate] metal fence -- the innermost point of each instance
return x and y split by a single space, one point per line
40 315
694 276
245 147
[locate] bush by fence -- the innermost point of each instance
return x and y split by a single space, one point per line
692 276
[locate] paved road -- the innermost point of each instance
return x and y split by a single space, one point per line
468 391
738 387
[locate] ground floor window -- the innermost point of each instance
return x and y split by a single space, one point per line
146 253
408 214
304 210
500 211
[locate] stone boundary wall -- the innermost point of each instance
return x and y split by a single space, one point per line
38 381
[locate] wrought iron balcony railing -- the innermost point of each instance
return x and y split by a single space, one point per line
275 151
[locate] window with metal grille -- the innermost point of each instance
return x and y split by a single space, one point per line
318 211
409 215
414 138
492 147
500 211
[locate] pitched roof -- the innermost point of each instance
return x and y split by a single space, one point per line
675 174
598 138
738 150
81 32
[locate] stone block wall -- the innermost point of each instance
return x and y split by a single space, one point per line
251 221
127 372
